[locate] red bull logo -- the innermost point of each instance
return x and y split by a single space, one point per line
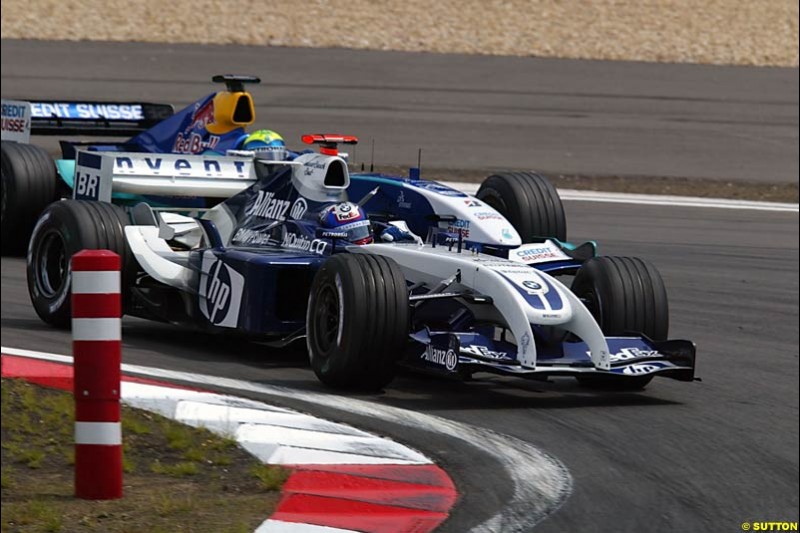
191 140
202 116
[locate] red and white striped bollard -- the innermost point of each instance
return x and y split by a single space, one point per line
97 351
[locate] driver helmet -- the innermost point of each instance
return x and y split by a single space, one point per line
349 218
267 144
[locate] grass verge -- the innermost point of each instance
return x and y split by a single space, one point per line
177 478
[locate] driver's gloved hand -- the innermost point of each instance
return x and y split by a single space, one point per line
396 234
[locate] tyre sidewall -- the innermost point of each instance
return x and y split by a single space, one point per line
372 303
76 231
334 362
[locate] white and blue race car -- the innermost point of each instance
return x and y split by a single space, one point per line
372 271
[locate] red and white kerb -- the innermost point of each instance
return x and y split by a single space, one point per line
96 346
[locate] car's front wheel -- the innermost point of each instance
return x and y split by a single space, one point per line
626 296
357 321
529 202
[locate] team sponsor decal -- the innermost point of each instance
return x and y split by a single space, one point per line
202 116
193 138
533 287
496 263
519 275
193 143
440 356
487 215
459 226
14 125
525 343
436 187
92 177
87 111
333 234
16 121
221 290
626 354
345 211
249 236
313 165
266 205
638 369
401 201
472 202
87 186
299 208
353 225
539 253
200 167
482 351
506 233
301 242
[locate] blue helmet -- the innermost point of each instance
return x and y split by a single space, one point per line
267 144
349 218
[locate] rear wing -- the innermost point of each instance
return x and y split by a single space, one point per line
176 175
73 117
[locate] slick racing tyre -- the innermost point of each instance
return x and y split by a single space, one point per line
529 202
357 321
63 229
29 184
626 296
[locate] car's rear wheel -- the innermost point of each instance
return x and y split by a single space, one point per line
529 202
29 184
627 296
357 321
63 229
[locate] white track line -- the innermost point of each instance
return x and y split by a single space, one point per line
277 526
541 482
650 199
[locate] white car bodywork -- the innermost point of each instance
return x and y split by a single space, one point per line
507 283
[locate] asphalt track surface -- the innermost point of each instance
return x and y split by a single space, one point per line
677 457
466 112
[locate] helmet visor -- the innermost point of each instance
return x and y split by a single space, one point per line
270 153
358 232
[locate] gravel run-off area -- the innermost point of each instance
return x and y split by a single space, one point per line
742 32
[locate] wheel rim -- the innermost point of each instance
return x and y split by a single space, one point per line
495 202
592 302
51 268
326 319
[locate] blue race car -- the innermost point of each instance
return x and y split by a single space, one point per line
31 179
372 271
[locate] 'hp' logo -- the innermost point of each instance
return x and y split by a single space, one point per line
299 208
638 369
218 292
